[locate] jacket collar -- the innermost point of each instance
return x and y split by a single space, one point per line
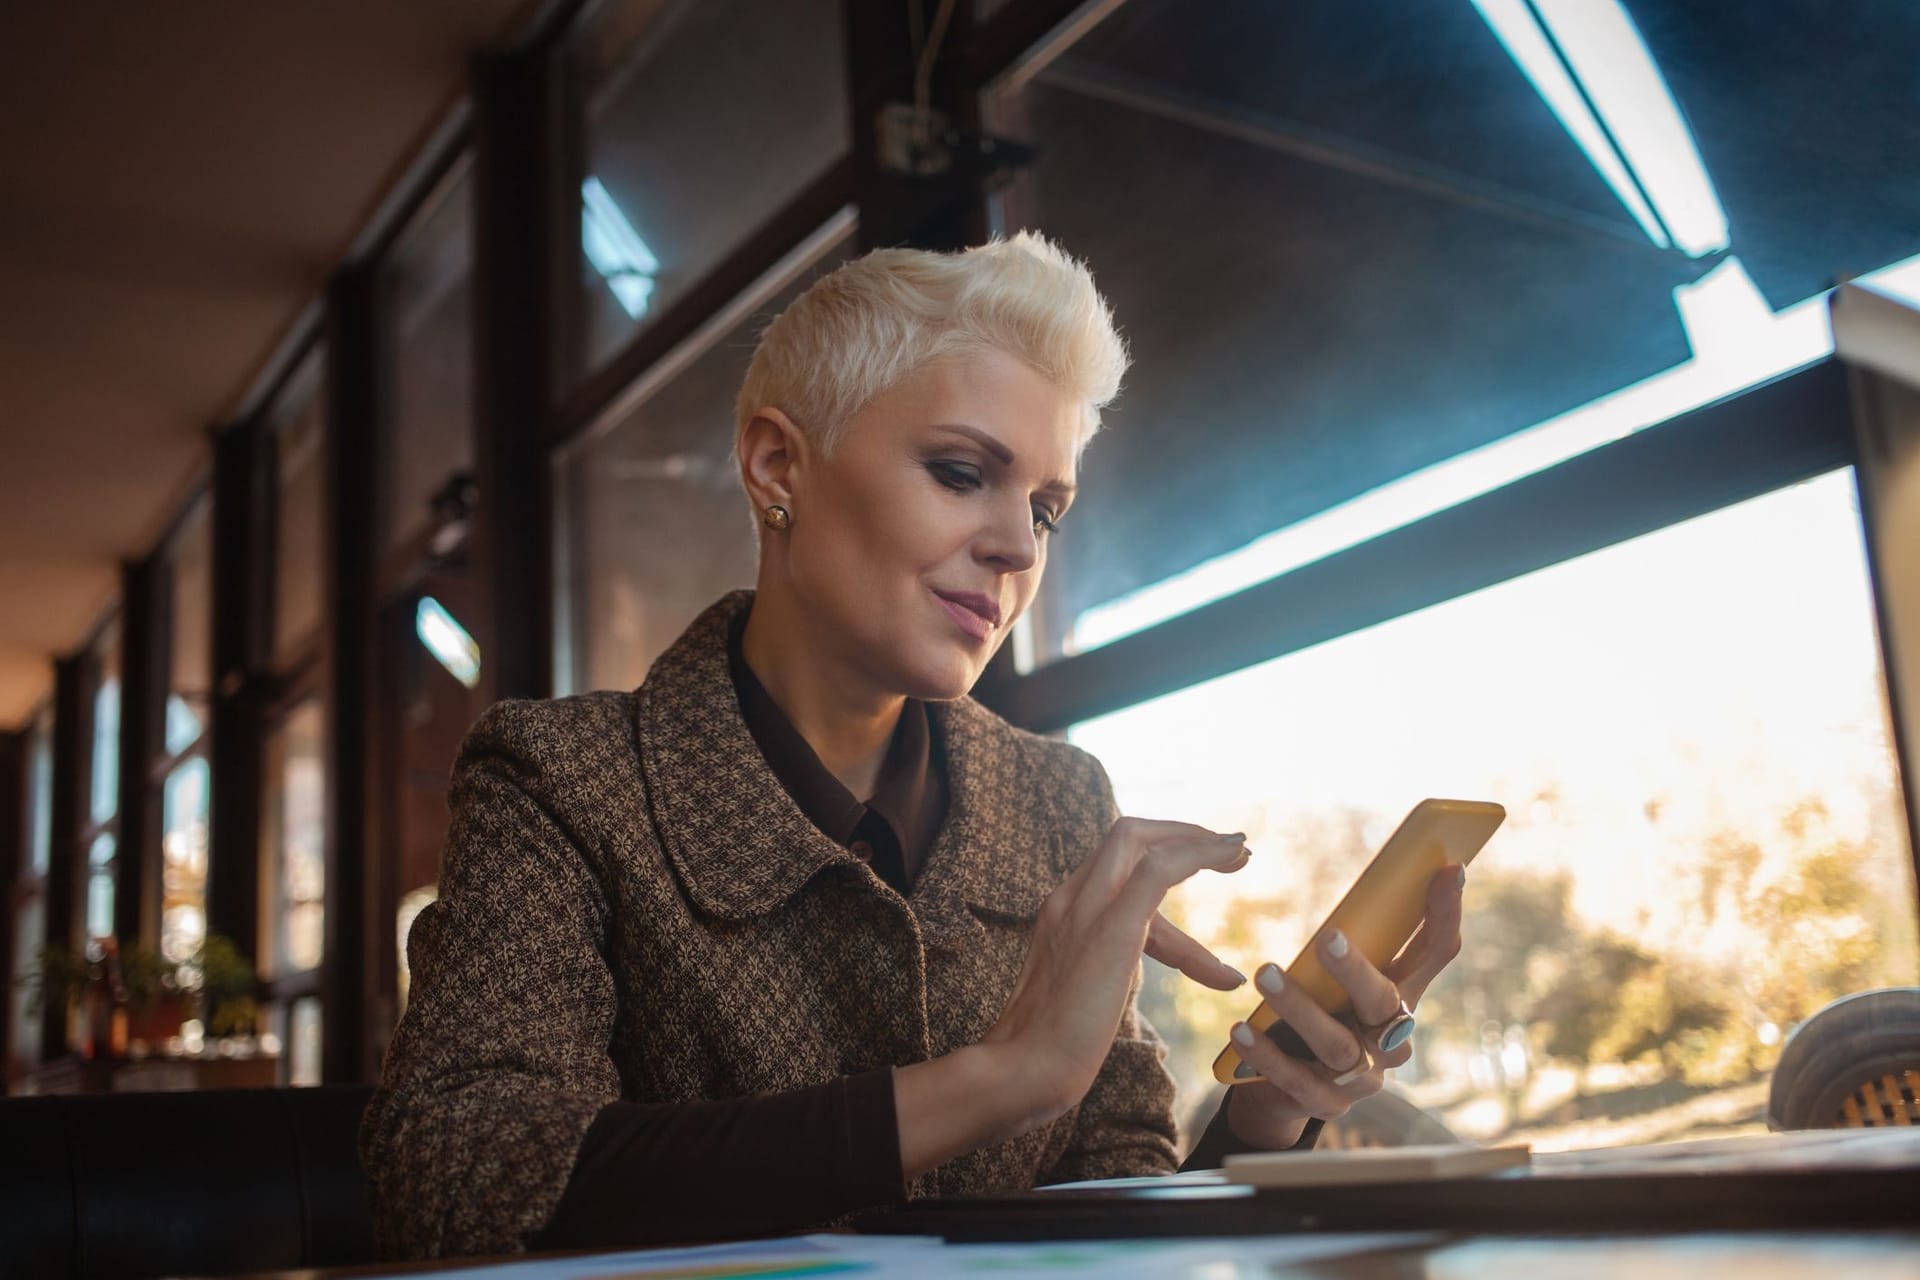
742 847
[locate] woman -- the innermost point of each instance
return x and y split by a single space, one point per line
683 983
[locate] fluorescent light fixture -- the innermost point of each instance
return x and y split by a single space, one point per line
1513 22
447 641
615 249
1565 47
1611 60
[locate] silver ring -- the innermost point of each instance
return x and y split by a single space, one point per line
1394 1032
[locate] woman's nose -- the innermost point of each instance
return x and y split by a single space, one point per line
1011 542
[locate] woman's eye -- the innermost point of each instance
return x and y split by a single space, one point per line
956 477
1043 523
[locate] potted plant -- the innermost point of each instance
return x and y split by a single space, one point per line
155 1000
225 980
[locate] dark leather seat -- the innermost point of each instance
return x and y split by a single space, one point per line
145 1184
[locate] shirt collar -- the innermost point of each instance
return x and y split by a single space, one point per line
908 795
740 842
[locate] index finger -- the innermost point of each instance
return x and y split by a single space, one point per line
1438 940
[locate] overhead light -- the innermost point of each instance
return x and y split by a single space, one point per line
615 249
1587 61
447 641
1513 22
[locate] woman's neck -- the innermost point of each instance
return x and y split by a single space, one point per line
848 724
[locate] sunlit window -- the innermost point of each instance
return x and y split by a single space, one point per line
104 784
100 887
295 872
1706 841
183 860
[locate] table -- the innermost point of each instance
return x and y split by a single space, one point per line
1684 1256
1827 1205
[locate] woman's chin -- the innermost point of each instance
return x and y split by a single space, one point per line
937 681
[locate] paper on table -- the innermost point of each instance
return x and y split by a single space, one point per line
1337 1168
924 1258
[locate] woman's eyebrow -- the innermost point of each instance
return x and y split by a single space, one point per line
998 450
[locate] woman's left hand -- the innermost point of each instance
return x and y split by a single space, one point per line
1272 1111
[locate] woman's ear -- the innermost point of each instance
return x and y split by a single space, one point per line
772 452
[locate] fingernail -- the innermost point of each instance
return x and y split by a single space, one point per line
1269 979
1460 877
1336 943
1239 978
1236 837
1243 1035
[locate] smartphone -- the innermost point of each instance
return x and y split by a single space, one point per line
1379 914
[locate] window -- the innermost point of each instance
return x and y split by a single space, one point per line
1344 240
303 1043
190 614
298 427
656 525
1706 840
294 842
694 135
28 899
99 835
103 788
425 309
101 869
183 859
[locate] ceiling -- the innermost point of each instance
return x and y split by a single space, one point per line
176 182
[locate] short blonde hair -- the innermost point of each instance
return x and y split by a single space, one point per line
868 325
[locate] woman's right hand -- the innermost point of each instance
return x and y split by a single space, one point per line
1060 1023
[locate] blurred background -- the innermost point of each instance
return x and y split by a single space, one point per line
365 363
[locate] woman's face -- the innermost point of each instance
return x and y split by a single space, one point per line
916 546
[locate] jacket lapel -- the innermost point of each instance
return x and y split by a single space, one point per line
735 837
995 854
741 846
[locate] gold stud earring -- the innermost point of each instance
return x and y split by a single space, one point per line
776 518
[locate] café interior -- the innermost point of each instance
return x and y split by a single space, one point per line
1525 405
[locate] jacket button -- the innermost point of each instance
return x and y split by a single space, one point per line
861 850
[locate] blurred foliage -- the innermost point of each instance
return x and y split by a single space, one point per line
1809 926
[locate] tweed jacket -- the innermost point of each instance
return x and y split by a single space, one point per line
631 906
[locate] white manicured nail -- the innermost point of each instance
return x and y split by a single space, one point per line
1243 1035
1336 944
1460 877
1268 978
1239 978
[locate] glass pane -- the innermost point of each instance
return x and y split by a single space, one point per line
104 785
695 134
412 904
299 426
29 934
40 795
1706 840
295 840
183 860
425 302
303 1043
100 883
190 681
1342 238
657 525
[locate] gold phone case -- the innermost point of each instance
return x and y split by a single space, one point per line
1383 908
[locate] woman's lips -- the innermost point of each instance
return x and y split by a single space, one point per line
966 619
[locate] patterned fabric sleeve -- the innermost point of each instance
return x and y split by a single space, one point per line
1124 1126
500 1064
